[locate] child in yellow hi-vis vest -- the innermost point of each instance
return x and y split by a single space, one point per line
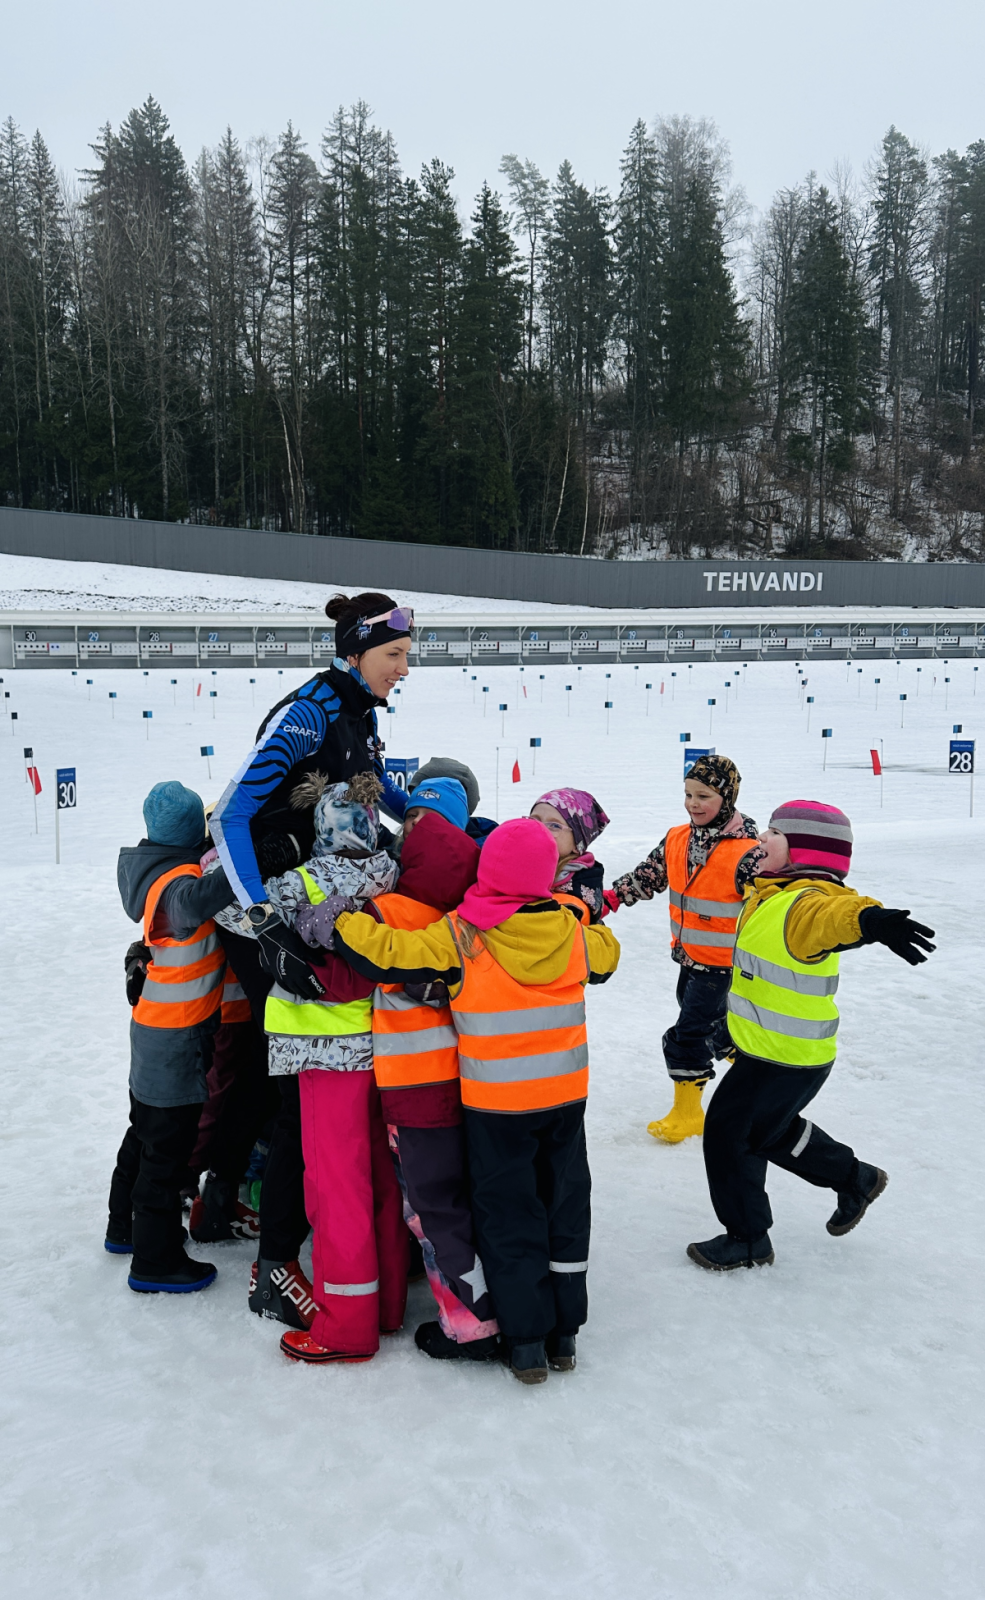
783 1021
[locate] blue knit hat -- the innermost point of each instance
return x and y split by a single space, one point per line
174 815
446 796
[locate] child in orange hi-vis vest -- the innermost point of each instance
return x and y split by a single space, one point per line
705 865
175 1015
515 962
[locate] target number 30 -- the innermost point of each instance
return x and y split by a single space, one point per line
66 788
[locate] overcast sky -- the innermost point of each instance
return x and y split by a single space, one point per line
791 85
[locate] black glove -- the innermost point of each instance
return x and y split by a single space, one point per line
285 954
135 966
277 853
434 993
895 930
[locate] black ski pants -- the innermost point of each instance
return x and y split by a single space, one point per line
151 1167
531 1205
432 1170
701 1030
283 1220
252 1099
754 1118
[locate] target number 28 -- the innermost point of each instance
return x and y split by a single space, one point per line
962 758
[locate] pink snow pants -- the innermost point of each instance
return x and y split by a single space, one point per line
354 1205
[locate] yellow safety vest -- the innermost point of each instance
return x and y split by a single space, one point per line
780 1009
284 1013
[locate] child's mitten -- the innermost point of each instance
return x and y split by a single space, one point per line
611 901
135 965
878 925
316 924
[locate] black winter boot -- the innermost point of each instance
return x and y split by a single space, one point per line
219 1214
724 1254
119 1238
185 1279
561 1351
528 1362
280 1290
853 1205
439 1347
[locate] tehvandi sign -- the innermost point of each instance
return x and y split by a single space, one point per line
729 581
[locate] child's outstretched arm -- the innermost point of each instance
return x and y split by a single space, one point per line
398 955
646 880
818 924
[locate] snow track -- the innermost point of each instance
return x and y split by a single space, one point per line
812 1430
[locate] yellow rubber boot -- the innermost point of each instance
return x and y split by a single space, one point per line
685 1118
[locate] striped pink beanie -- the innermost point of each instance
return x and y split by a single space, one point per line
819 836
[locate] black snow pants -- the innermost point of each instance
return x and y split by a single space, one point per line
283 1220
531 1204
701 1030
432 1170
251 1099
754 1118
151 1167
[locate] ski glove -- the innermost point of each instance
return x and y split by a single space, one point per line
277 853
135 965
316 924
897 931
285 955
611 901
434 993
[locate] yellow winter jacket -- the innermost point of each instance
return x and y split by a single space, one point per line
533 946
818 922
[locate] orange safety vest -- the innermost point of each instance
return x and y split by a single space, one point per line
413 1043
704 908
521 1046
235 1006
184 976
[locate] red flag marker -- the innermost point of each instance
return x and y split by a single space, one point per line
516 772
34 779
876 764
198 690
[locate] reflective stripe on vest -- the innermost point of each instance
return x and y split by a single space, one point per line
183 986
235 1006
413 1043
780 1009
285 1014
704 907
521 1047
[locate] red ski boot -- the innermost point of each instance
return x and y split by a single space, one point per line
218 1214
300 1346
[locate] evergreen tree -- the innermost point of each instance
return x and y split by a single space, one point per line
896 260
828 352
639 302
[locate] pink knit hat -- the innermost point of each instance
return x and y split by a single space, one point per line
517 865
819 837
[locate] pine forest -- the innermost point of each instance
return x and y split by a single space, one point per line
320 343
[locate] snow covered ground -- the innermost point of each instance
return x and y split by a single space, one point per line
34 583
813 1430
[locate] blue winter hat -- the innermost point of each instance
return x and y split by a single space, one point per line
174 815
446 796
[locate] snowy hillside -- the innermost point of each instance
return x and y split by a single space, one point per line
34 583
808 1431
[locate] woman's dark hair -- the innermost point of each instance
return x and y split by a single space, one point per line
348 609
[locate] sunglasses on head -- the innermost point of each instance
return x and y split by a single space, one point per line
399 620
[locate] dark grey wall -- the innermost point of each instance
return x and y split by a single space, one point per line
446 569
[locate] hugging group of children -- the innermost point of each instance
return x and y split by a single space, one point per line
441 1079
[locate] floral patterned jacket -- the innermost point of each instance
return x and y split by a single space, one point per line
650 877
